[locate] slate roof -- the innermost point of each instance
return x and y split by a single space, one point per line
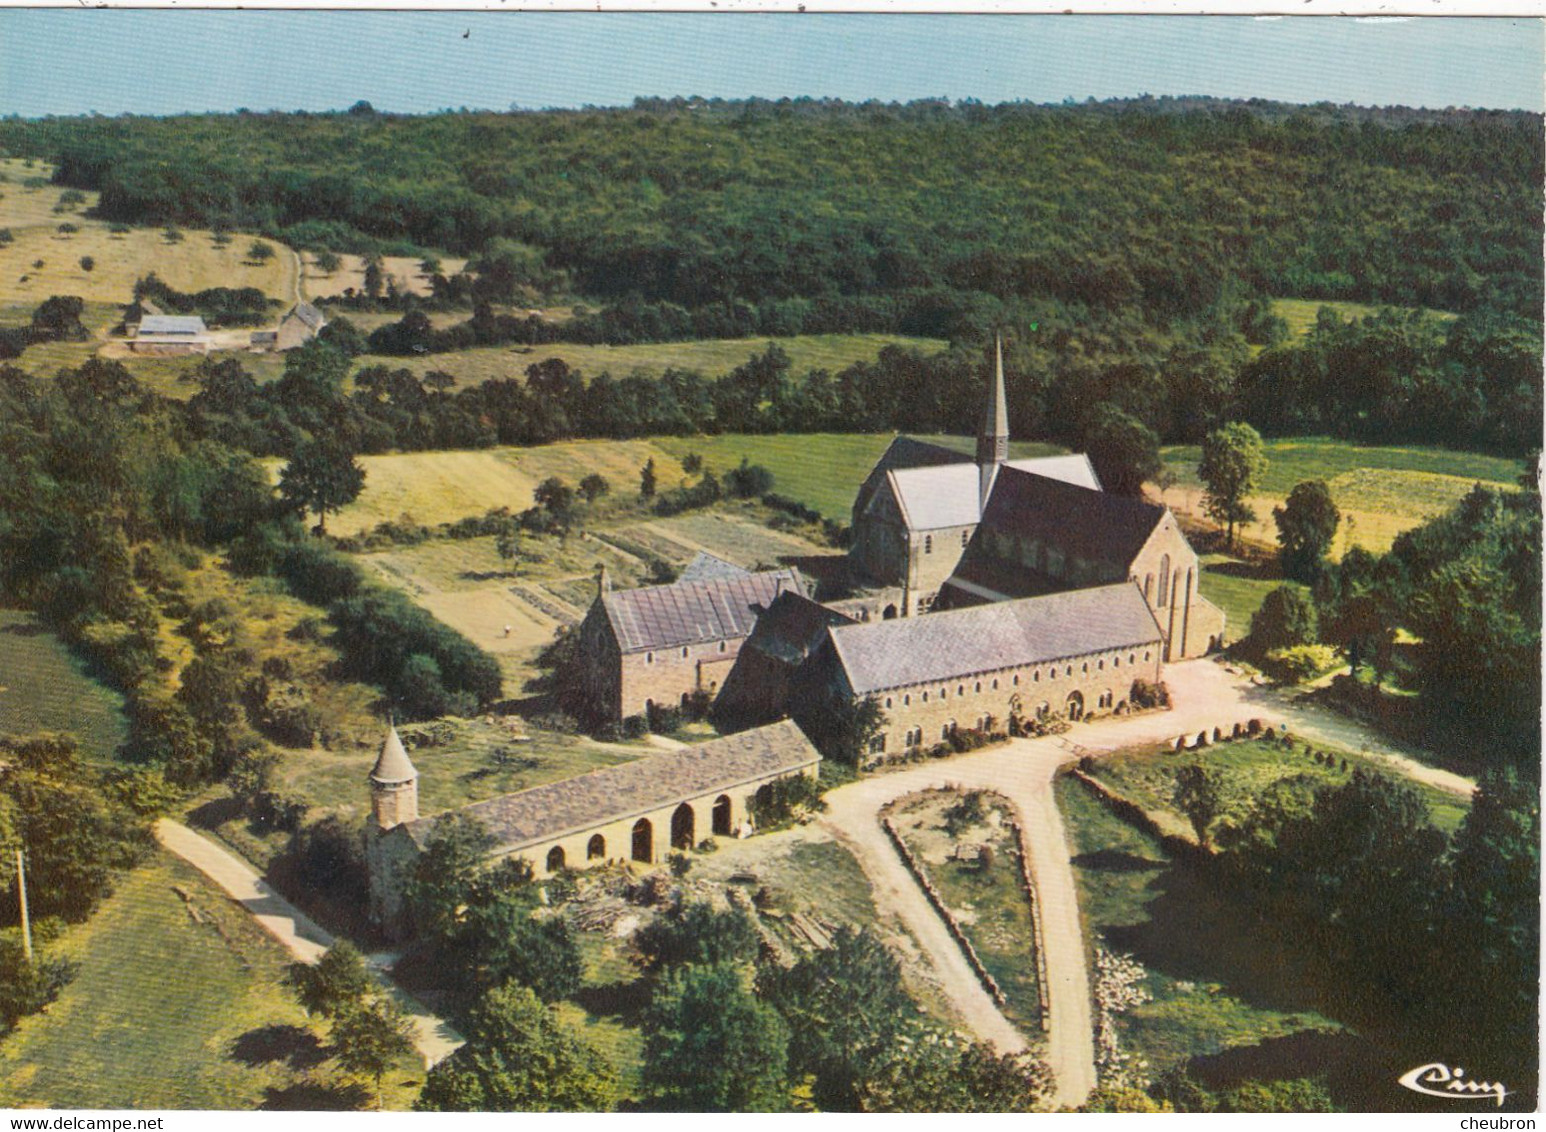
619 792
393 764
1092 525
683 613
949 495
986 638
308 314
180 324
706 566
794 625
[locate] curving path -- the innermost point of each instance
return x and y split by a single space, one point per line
296 931
1205 695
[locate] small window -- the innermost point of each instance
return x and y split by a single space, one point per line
906 700
723 646
995 684
1101 664
1116 662
1017 679
925 697
961 689
1036 677
1085 667
888 701
1068 670
877 744
684 650
649 658
977 687
1132 658
1147 654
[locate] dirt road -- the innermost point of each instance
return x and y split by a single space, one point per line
293 928
1205 696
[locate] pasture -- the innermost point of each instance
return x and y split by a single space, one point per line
711 357
403 271
44 687
169 1012
1300 314
1381 491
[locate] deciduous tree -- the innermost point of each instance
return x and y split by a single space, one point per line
1232 465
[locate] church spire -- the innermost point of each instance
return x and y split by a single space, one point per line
993 440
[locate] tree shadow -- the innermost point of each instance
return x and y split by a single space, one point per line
214 814
25 629
1197 933
624 1001
1116 861
314 1096
1256 571
296 1047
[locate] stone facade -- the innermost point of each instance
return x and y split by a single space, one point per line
1074 687
634 812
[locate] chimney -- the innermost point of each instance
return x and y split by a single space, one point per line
603 580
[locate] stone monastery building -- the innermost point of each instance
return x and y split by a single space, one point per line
635 811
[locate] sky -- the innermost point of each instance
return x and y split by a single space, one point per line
72 61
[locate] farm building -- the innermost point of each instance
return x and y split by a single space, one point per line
300 325
659 646
636 811
169 334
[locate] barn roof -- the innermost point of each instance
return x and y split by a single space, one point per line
172 324
308 314
685 612
986 638
620 792
794 625
1078 520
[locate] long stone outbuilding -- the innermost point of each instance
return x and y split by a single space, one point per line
637 811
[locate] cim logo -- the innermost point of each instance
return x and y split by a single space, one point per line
1438 1080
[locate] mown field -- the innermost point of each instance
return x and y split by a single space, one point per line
166 1012
44 687
712 357
1381 491
1238 589
1214 985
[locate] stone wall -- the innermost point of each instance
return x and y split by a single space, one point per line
664 676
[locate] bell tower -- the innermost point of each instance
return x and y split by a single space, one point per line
394 785
993 439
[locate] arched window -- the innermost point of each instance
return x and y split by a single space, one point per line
555 858
1036 677
995 683
1100 664
977 687
649 658
684 650
907 699
1068 670
1148 588
644 841
683 827
596 848
961 689
723 647
888 701
721 816
925 697
1132 658
1017 679
1164 573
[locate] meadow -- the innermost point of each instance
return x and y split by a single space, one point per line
1381 491
45 687
169 1011
1300 314
712 356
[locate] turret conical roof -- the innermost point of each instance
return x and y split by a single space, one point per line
393 765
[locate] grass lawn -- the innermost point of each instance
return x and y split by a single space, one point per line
713 357
1250 767
45 687
1238 589
165 1012
1214 985
1300 313
990 905
1381 491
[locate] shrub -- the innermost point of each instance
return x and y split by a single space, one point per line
317 573
1300 663
1144 694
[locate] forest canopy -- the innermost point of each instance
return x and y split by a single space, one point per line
1165 204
